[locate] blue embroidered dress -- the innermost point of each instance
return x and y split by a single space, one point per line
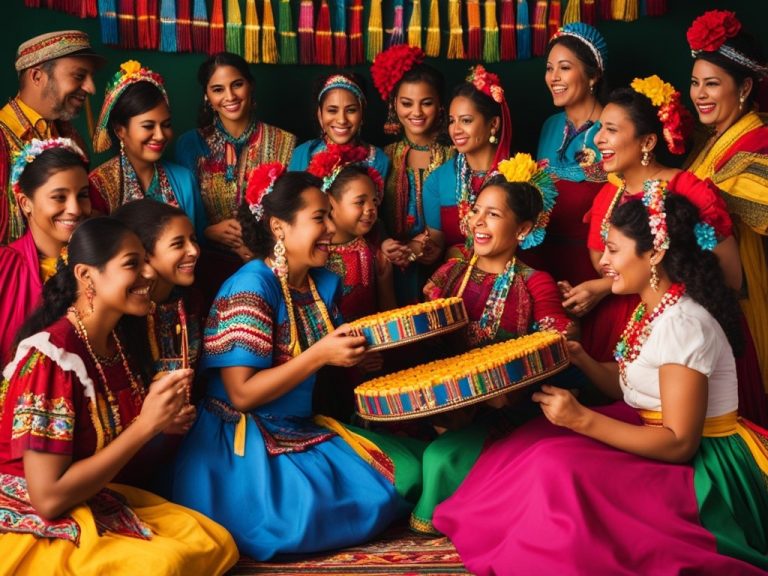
278 481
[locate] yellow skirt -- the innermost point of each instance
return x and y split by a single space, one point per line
183 542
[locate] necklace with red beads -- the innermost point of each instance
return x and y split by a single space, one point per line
639 328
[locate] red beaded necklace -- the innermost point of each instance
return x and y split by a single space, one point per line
638 329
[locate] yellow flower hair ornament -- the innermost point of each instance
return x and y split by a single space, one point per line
523 168
676 121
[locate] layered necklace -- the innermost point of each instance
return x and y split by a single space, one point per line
106 419
605 224
639 328
465 193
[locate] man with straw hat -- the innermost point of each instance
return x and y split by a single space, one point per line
55 76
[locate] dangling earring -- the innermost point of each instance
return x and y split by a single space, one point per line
279 263
392 124
591 88
645 159
492 138
122 147
741 103
654 278
90 292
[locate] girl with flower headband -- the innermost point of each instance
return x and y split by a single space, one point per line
728 71
670 467
481 130
50 180
575 76
136 114
634 122
504 299
256 460
413 91
228 144
340 109
79 417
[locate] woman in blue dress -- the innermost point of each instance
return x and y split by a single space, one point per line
281 481
341 105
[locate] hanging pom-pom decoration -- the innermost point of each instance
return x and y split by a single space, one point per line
306 31
216 38
507 29
268 38
168 37
523 31
553 23
397 34
414 25
200 39
491 33
540 38
183 26
572 12
456 33
432 46
375 31
288 50
108 21
251 33
474 30
340 48
323 41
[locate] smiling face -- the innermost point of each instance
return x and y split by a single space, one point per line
495 227
56 208
65 89
617 140
175 253
566 77
307 238
417 105
468 128
355 212
340 115
716 96
146 135
630 273
229 94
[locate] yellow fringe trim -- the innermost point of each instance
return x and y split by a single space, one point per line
414 25
455 40
572 12
251 33
375 31
432 48
268 41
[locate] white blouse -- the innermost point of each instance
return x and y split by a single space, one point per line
688 335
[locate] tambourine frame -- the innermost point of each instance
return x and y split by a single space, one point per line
416 337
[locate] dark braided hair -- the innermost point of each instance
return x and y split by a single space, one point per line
685 261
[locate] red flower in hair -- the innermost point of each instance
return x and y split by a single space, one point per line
677 124
378 183
389 66
260 183
487 82
710 30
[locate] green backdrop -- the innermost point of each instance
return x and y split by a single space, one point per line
640 48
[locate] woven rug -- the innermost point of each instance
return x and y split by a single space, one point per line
397 552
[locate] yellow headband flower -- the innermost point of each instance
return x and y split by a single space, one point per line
658 91
520 168
130 67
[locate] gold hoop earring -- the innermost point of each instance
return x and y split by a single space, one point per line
645 159
654 278
279 263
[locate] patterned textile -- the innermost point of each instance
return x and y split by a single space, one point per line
167 335
50 419
355 263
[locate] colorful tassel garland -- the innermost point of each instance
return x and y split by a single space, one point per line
540 37
287 34
507 29
414 25
474 34
143 34
251 36
216 37
183 27
588 13
306 31
323 42
397 34
268 39
553 24
88 9
375 31
108 22
168 37
356 33
340 47
491 35
572 12
625 10
154 25
655 7
432 46
234 28
455 35
523 31
126 21
604 9
200 38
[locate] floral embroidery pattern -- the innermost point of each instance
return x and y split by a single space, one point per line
35 414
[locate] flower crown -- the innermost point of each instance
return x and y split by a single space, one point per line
523 168
33 149
329 163
654 196
590 37
710 32
261 182
130 72
343 82
390 66
676 121
486 82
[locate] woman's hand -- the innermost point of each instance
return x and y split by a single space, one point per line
339 348
227 233
561 407
396 252
166 398
183 420
579 300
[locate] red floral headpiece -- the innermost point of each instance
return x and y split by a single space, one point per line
330 162
390 66
487 82
710 30
260 183
676 121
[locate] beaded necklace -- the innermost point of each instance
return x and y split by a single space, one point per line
465 193
111 417
417 147
639 328
232 145
605 225
484 330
